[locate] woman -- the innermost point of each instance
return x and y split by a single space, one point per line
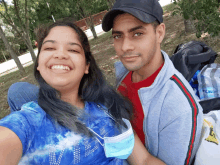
76 114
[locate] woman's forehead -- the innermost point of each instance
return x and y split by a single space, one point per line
63 34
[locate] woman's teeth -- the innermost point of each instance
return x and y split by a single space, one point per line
62 67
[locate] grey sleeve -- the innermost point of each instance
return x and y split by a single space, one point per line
176 141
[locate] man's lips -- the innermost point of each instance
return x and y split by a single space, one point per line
130 57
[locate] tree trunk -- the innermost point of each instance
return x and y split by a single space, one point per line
90 23
189 26
30 48
4 56
12 53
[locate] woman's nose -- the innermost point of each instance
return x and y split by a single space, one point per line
60 54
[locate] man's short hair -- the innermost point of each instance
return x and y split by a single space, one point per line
155 24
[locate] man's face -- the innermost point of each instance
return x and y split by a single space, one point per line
136 43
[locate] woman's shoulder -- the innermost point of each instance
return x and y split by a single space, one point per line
32 112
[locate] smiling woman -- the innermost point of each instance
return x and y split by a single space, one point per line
62 61
78 118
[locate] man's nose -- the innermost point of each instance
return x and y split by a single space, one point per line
127 45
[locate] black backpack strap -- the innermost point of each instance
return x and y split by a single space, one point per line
210 104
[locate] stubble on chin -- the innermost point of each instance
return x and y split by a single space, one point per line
132 67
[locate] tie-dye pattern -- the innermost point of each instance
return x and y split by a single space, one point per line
45 143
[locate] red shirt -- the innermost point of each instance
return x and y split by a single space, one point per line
130 90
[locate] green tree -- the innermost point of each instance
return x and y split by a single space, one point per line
85 9
12 52
110 3
203 14
17 16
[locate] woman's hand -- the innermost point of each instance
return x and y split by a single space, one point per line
140 155
10 147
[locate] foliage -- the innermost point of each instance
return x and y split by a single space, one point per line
1 8
205 13
33 13
17 16
84 8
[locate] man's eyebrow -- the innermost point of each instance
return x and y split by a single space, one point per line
130 30
52 41
135 28
116 32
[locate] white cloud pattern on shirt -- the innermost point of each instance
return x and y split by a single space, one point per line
67 142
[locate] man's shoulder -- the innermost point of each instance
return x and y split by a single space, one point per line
180 99
179 89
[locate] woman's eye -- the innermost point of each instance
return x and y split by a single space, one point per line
49 48
72 50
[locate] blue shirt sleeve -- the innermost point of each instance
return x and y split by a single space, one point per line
24 123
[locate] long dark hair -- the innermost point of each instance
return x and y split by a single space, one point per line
93 88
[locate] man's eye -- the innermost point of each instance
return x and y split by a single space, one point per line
138 34
117 36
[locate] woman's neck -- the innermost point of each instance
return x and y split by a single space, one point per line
73 98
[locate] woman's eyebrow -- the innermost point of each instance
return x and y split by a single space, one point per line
52 41
70 43
73 43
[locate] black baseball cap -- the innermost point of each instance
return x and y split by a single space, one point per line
147 11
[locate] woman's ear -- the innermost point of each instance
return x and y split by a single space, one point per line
160 31
87 68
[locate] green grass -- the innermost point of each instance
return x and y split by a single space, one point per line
101 38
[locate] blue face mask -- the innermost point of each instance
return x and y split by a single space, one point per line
119 146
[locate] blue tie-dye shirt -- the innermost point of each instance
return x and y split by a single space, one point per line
47 143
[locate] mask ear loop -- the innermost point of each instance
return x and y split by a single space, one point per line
96 135
108 114
99 106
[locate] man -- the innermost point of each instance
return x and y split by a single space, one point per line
167 118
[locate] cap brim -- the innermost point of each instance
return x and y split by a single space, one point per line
107 22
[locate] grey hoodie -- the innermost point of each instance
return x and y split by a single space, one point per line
172 116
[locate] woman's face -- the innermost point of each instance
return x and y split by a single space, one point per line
62 61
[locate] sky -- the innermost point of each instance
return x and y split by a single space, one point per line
9 1
164 2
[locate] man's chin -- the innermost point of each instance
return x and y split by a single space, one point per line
132 67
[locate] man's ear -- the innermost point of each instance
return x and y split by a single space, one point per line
160 31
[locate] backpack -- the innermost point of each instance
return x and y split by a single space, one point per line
190 57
